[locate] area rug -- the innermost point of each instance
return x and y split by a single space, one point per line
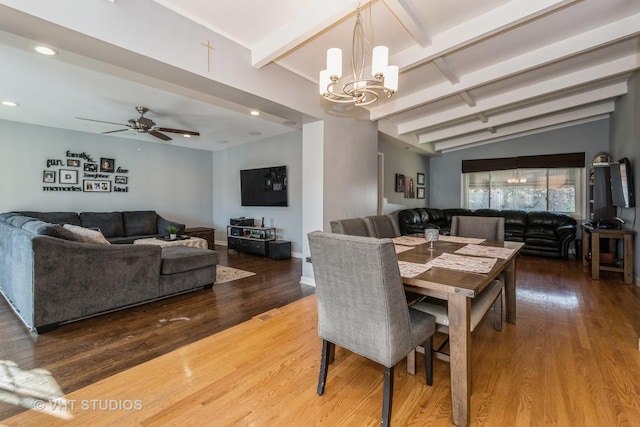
227 274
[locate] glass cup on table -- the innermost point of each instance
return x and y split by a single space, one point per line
431 235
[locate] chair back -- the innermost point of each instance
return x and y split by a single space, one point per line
361 301
350 226
382 226
482 227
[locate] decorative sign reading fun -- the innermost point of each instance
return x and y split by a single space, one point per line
97 177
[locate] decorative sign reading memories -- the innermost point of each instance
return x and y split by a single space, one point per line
97 177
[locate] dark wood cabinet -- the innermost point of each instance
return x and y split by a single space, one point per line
206 233
252 240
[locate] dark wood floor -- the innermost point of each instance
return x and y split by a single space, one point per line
83 352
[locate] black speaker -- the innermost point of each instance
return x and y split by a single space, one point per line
279 249
242 221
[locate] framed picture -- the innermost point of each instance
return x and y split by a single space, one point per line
420 179
420 193
49 176
96 186
91 167
107 165
409 191
122 180
68 176
73 163
399 183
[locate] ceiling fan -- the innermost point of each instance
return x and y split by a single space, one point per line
145 125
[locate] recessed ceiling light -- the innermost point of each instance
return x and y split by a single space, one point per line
10 103
186 135
46 50
255 113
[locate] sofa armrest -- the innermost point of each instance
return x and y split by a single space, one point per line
164 223
565 229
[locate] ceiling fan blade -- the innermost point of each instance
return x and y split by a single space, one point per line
184 132
159 135
99 121
114 131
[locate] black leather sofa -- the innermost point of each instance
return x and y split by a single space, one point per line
543 233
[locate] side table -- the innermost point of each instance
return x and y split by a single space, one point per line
206 233
591 242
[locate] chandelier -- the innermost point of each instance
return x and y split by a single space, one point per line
360 91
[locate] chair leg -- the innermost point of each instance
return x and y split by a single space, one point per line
428 360
387 397
324 365
497 311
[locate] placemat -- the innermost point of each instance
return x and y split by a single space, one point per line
470 264
411 269
488 251
409 240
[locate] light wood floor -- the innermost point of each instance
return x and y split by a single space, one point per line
571 360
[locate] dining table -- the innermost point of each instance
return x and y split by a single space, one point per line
443 272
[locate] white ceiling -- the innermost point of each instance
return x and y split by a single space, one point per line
471 72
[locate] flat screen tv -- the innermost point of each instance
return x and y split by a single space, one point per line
622 193
264 186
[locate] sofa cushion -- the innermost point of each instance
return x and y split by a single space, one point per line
19 220
178 259
140 223
110 223
55 217
86 235
53 230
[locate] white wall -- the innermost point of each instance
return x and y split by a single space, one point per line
278 151
175 182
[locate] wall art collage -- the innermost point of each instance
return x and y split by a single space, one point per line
411 190
97 176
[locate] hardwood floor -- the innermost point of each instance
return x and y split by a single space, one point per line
571 359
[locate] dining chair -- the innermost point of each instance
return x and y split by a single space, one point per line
482 227
362 308
350 226
490 228
382 226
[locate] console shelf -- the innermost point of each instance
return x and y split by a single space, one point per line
250 239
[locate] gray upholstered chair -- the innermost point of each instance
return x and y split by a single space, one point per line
482 227
382 226
362 307
351 226
490 228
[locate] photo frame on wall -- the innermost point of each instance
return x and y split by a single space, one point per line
123 180
420 193
91 167
68 176
107 165
420 179
96 186
399 183
49 177
73 163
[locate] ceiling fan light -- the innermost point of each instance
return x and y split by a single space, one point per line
391 78
379 61
334 62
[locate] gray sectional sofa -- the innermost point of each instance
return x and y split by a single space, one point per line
50 276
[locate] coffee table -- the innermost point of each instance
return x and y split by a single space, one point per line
196 242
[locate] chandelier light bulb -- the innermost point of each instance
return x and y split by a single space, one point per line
334 62
325 81
380 61
391 78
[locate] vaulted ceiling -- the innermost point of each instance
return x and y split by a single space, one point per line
471 72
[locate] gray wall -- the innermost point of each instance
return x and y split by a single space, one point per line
446 173
400 161
176 182
281 150
625 142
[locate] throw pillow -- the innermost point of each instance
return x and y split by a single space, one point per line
88 236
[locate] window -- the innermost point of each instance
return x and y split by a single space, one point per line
551 189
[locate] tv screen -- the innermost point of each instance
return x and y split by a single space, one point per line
622 193
264 186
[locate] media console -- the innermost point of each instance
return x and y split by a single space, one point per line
250 239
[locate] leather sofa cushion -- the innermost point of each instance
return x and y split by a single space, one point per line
457 212
140 223
109 223
178 259
422 214
55 217
486 212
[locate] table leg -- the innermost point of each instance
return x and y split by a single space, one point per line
585 247
595 256
627 260
510 290
460 357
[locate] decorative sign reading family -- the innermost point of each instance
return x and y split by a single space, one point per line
97 177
